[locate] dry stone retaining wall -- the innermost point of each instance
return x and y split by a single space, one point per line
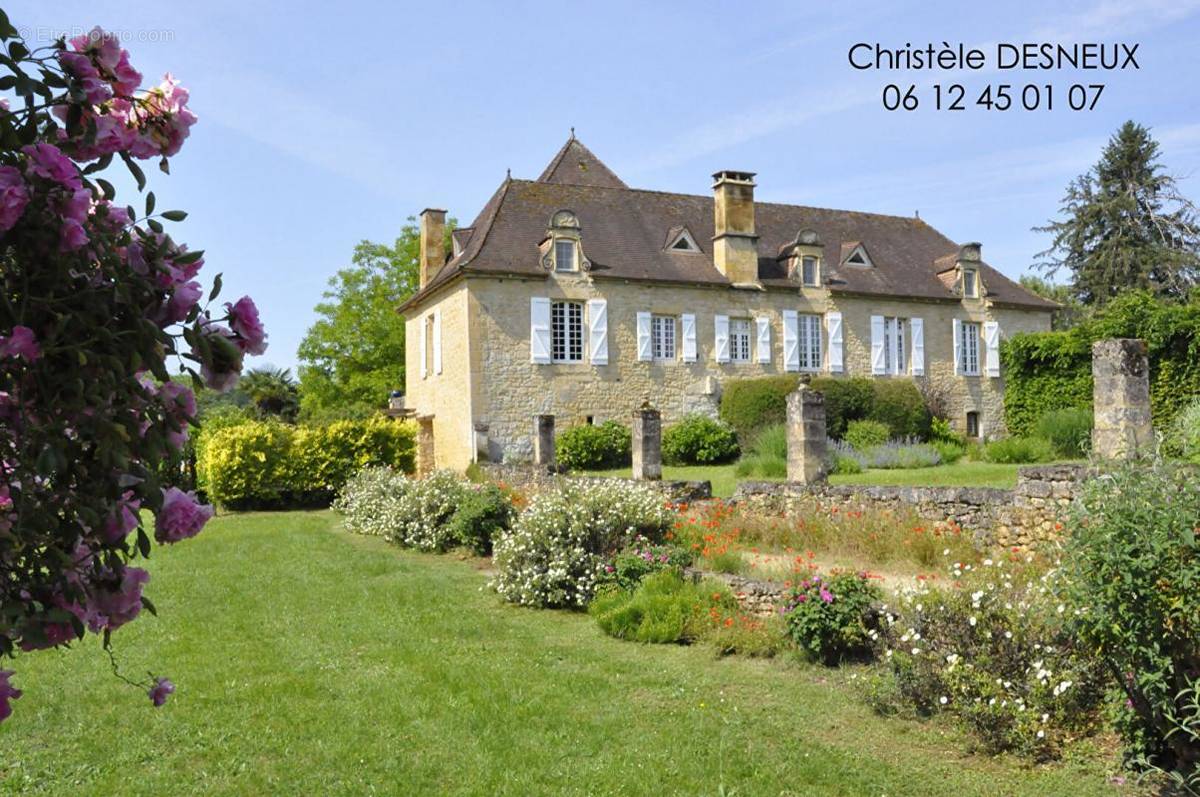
1025 517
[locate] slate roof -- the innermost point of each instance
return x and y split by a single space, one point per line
623 229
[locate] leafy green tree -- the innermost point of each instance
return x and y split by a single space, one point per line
1072 310
272 391
1126 225
353 356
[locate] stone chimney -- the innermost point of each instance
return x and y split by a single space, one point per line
433 243
735 244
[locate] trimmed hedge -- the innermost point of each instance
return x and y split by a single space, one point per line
699 440
267 464
1053 370
588 447
748 405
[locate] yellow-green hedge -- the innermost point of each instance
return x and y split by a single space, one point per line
262 464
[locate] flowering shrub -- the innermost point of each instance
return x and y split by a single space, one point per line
436 513
699 440
1135 585
264 464
998 653
556 551
640 559
833 619
95 299
588 447
665 607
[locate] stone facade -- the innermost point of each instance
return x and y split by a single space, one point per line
1024 517
488 378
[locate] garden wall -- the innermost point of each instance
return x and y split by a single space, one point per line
1025 516
533 479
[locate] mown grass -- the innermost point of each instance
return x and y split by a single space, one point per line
961 474
309 661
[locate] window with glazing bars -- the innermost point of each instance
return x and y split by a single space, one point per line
739 340
662 334
566 331
969 353
809 339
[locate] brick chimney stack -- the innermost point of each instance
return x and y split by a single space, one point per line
735 244
433 237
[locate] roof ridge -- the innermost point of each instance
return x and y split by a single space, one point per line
911 219
548 174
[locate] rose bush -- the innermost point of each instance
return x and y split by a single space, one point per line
95 300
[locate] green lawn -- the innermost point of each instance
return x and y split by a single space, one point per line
309 661
960 474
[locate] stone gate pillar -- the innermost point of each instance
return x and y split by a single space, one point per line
647 444
806 436
543 440
1121 399
426 464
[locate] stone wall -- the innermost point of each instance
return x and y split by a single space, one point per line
759 598
533 479
1024 517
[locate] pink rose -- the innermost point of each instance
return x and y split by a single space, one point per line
123 519
21 343
51 635
180 404
181 516
126 79
104 47
8 693
164 122
47 160
161 690
224 363
243 318
71 236
14 196
95 89
111 610
182 300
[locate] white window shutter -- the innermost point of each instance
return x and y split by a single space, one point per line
539 330
424 348
598 331
721 338
957 347
764 339
836 361
878 358
917 326
688 320
437 341
644 351
991 336
791 341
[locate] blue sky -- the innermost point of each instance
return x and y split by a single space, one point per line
321 128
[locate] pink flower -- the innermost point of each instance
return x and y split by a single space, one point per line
81 69
71 236
826 595
21 343
126 79
47 160
123 519
14 196
7 693
161 690
182 300
104 47
224 363
180 405
111 610
181 516
50 635
164 122
243 318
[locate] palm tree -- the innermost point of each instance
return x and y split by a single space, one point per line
272 391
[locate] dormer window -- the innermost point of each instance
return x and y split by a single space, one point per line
810 270
970 283
564 255
856 256
680 240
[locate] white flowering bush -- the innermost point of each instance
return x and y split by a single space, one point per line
557 548
998 653
412 512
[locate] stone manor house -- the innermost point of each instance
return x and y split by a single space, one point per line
578 296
